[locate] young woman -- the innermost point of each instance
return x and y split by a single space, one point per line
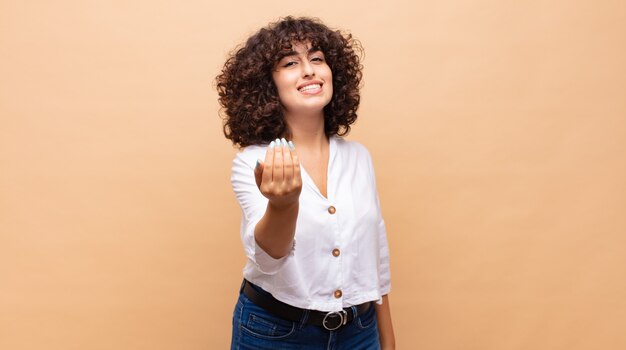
317 275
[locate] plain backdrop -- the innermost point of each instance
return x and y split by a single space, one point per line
497 128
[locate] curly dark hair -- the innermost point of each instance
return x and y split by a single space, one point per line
251 108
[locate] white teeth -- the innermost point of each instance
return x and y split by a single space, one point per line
310 87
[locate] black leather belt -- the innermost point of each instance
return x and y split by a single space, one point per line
329 320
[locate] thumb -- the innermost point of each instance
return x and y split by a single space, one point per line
258 172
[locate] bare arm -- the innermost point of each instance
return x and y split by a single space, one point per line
385 328
279 180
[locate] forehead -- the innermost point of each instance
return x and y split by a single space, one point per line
297 49
301 47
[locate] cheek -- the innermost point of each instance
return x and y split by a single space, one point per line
328 77
329 82
281 90
283 83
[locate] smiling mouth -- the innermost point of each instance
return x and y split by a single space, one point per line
311 88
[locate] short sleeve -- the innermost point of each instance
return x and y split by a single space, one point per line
253 205
384 272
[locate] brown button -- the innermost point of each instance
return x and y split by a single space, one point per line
336 252
338 293
332 210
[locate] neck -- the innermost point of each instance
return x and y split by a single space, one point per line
307 131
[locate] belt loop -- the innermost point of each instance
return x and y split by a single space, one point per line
304 319
354 312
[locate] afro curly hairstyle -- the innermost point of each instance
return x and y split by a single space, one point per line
251 108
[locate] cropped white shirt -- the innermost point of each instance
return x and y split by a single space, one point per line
340 255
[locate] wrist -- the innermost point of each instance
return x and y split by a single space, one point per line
280 206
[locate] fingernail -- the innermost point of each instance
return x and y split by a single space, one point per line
284 142
272 144
291 145
258 164
277 142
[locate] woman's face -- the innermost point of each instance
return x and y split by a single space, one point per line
304 80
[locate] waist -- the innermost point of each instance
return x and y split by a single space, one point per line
315 292
329 320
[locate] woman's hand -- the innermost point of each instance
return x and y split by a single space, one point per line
278 178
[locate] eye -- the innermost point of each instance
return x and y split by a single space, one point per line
289 64
317 59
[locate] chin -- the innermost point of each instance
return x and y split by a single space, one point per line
309 106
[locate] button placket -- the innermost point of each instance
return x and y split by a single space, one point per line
336 252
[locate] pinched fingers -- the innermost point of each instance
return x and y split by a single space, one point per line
268 165
288 162
277 169
280 180
297 177
258 173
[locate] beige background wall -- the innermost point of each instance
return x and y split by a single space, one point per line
498 129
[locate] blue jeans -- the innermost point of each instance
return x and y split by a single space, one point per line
256 329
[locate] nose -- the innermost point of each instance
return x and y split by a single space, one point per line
307 69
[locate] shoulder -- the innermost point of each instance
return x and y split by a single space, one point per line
352 148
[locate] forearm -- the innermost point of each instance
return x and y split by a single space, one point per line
385 327
275 231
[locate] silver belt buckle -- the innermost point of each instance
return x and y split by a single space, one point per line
335 319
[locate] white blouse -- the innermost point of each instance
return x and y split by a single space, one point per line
340 255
